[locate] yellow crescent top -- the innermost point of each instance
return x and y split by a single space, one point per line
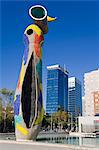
35 28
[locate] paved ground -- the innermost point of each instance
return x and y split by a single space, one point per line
13 145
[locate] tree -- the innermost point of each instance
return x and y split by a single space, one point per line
1 115
9 117
0 109
60 118
4 91
46 123
6 95
8 113
57 119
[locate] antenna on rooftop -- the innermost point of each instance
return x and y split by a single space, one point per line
64 67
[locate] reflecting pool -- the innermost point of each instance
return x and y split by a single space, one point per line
81 141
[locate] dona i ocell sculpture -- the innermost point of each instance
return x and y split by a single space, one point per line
28 102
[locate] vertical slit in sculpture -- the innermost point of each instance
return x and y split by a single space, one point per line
28 94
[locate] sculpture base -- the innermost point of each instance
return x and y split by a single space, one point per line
30 135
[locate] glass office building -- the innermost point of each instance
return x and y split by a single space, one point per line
57 89
74 97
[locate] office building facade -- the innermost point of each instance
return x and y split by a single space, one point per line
91 91
74 97
57 89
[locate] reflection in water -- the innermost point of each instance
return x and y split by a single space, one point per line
81 141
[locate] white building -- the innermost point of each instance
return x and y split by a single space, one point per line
91 97
83 106
88 124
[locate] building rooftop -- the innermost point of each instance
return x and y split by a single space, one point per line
73 79
57 66
92 72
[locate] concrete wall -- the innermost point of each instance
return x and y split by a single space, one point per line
87 124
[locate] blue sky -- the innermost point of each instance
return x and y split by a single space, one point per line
73 39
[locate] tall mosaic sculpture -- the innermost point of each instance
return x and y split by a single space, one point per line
28 103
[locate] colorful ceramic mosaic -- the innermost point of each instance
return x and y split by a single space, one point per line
28 102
